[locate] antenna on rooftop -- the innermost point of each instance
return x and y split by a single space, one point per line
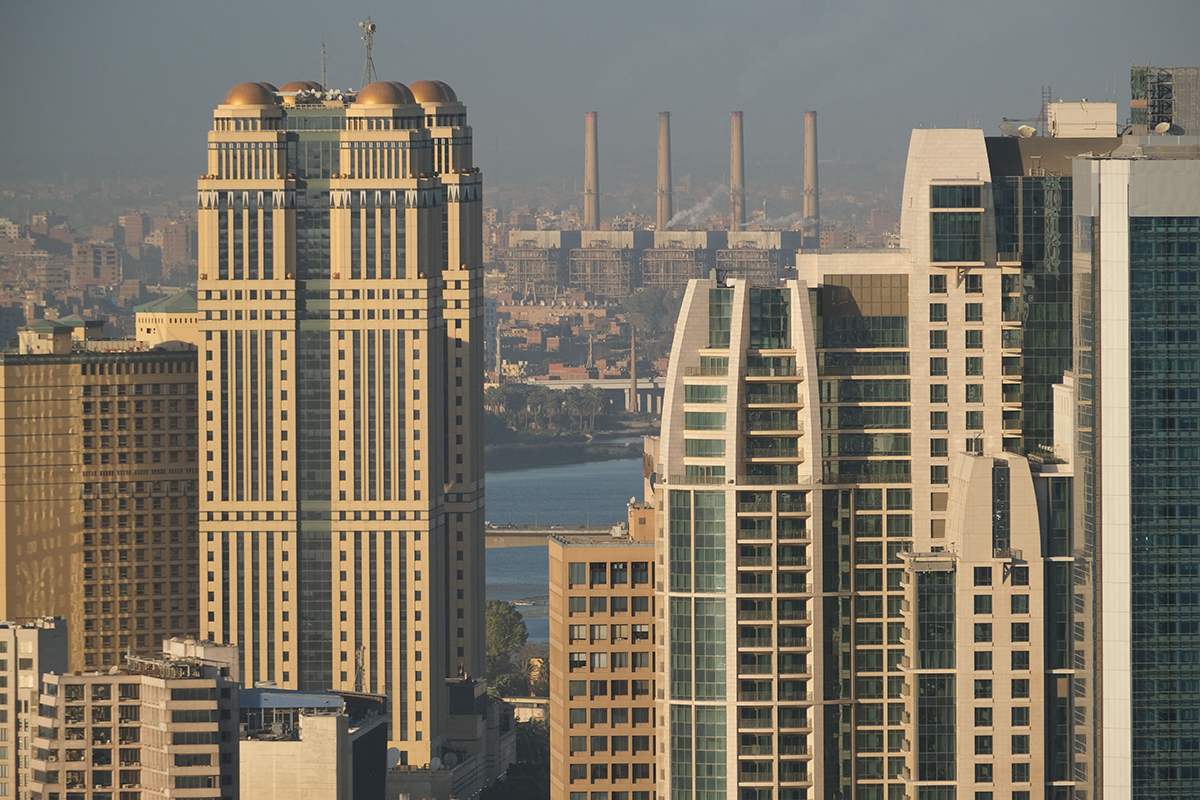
368 36
324 83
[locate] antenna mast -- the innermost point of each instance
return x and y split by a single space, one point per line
324 82
368 36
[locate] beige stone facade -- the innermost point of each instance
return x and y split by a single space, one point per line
27 650
98 497
340 326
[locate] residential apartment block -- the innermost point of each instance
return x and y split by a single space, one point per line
27 650
602 664
158 728
98 491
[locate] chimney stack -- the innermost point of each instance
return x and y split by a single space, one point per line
812 208
664 170
591 177
737 175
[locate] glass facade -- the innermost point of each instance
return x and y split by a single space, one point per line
1033 225
1164 328
956 236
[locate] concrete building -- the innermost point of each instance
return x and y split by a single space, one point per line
602 664
94 264
169 322
26 651
340 321
325 746
98 493
157 728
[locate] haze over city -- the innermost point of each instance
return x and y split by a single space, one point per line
93 89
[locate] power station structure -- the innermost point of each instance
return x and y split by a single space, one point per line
812 202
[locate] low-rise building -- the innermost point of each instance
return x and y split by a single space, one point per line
160 727
315 745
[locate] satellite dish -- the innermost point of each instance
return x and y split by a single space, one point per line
1026 131
1162 127
1009 129
451 760
435 763
370 27
632 500
393 757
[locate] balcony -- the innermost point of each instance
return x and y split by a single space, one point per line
754 723
775 372
793 561
707 371
754 534
794 614
754 561
793 506
753 614
768 449
754 669
755 697
766 425
793 749
754 508
697 480
776 398
786 642
796 697
754 750
755 641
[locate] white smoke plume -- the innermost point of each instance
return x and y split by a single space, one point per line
693 214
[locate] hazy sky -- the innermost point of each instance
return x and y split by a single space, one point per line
102 86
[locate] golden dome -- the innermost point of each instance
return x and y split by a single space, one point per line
429 92
301 86
250 94
450 95
270 87
384 93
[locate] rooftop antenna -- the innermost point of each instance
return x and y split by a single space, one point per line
368 37
324 83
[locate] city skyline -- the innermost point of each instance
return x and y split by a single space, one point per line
776 63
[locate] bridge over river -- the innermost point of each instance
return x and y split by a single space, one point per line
530 535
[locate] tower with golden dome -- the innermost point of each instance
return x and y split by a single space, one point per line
340 330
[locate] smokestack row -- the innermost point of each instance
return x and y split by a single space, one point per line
664 170
591 176
737 175
812 208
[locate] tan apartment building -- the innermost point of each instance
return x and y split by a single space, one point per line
94 264
340 327
160 727
98 493
602 664
27 650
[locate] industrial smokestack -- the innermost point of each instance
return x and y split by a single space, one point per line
737 175
664 170
591 177
812 208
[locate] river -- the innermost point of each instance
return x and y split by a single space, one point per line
577 494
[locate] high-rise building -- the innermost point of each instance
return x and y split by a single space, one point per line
602 651
26 651
813 433
340 327
1136 502
98 491
158 727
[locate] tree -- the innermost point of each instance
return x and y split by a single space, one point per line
506 633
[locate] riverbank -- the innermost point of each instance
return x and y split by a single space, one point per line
548 452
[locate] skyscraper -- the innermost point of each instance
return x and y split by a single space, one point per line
340 334
1137 495
839 617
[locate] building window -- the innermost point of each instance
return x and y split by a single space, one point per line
937 366
974 392
939 474
974 420
937 312
983 631
974 312
938 393
974 366
938 448
937 340
983 689
1020 604
937 284
974 339
1020 631
983 660
983 576
983 604
938 420
983 717
1020 717
983 773
1020 688
1020 660
983 745
974 284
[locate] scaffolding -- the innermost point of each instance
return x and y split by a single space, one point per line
531 270
751 263
602 269
673 265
